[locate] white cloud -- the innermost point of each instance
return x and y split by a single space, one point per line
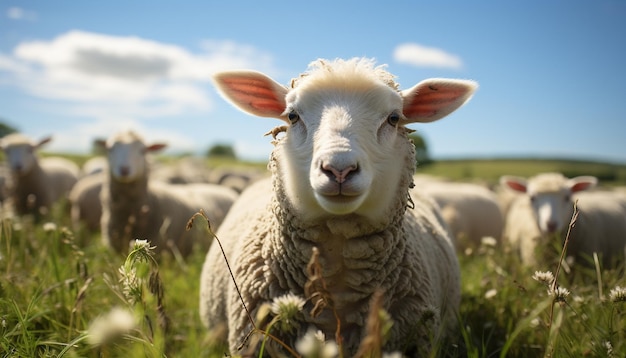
17 13
124 76
422 56
79 137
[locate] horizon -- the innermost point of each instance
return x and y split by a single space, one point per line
550 75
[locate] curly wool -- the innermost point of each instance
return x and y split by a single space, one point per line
272 259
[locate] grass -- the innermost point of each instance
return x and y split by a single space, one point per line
57 285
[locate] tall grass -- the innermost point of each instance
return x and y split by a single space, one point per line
59 287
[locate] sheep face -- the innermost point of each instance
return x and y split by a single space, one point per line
20 153
550 196
126 155
346 143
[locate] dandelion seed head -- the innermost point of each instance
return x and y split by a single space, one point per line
49 227
617 294
488 241
107 327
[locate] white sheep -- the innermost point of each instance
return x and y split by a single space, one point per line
134 207
471 210
546 211
340 183
94 165
36 183
85 200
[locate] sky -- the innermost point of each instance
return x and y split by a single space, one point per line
552 74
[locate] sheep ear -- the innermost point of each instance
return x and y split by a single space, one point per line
100 143
155 147
582 183
43 141
435 98
514 183
253 93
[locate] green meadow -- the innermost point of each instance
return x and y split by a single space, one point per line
64 294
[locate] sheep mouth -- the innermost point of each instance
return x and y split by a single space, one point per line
339 204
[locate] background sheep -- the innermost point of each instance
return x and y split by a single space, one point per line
471 210
135 207
85 200
546 210
36 183
341 177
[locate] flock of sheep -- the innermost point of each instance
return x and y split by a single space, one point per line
342 190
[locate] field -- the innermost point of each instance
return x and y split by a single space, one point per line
58 289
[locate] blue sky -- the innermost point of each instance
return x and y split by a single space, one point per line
552 73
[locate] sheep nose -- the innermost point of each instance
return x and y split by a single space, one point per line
124 170
551 226
340 174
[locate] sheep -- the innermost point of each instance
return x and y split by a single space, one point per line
341 174
182 171
85 201
37 183
546 208
471 210
94 165
134 207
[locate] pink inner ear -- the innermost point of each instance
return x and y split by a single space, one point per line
516 186
433 99
580 186
155 147
255 93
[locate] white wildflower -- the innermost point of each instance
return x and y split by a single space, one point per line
560 294
488 241
535 322
618 294
314 345
609 348
131 284
491 293
288 311
107 327
392 355
49 227
544 277
142 245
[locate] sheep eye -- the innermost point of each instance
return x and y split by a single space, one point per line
293 117
567 198
393 119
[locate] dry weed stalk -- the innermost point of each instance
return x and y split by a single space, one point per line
378 325
559 294
315 289
255 328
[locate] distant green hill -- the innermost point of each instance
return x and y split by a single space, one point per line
491 169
